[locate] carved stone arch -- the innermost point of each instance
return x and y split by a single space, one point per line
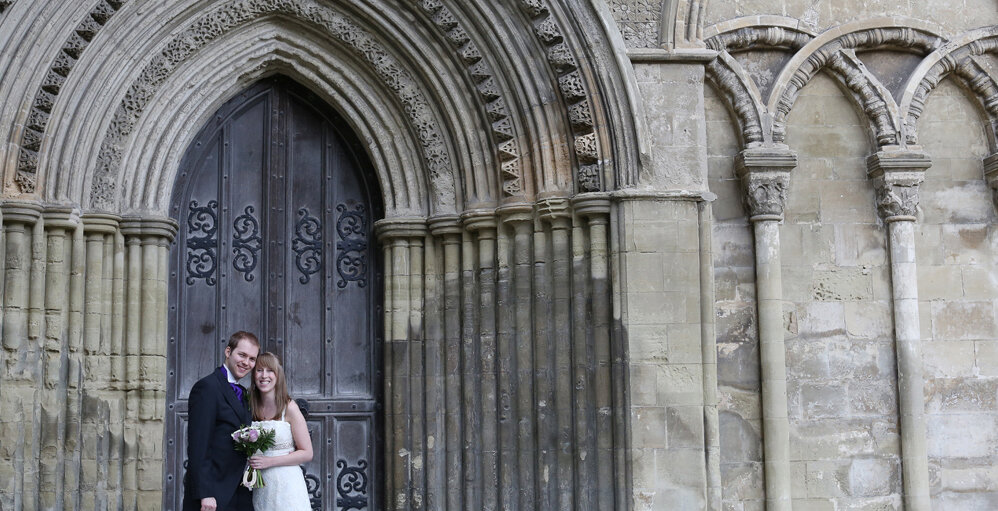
422 108
736 85
741 97
45 97
505 129
835 51
400 174
577 86
959 57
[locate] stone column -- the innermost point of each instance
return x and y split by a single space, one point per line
401 239
447 229
991 176
558 358
482 408
708 353
896 176
603 404
765 176
145 252
60 222
20 357
515 357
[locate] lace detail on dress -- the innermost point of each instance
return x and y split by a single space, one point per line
285 488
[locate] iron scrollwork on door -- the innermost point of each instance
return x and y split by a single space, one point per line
351 249
307 245
202 230
314 490
351 485
246 243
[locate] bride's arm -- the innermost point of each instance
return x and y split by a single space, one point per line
303 443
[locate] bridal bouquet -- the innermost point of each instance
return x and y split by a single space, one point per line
250 440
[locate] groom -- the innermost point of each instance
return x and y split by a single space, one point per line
218 407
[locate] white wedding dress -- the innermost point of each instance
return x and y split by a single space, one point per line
284 488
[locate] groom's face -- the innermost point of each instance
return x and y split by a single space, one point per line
240 361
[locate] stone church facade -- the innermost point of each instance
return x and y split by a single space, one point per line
592 254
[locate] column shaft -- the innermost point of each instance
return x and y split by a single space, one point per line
772 354
911 394
711 423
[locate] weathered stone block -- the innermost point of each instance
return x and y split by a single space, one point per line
680 384
741 439
684 427
948 359
965 435
987 357
842 284
649 343
963 320
648 427
821 319
948 395
644 385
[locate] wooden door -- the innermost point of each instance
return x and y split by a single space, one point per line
275 214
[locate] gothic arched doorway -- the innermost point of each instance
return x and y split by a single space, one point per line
275 205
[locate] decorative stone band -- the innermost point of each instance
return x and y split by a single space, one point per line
20 212
99 224
991 176
765 176
61 217
149 227
400 228
896 176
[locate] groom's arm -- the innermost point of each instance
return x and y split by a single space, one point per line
202 409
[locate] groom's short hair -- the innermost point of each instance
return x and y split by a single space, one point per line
242 335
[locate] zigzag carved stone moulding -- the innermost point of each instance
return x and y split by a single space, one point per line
572 87
224 19
59 69
503 129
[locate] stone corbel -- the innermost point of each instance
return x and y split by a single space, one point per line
991 176
896 176
765 176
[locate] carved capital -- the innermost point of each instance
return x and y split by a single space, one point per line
447 227
399 228
555 210
765 176
896 176
100 223
20 212
64 218
991 176
148 227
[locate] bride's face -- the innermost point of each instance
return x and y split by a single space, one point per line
265 379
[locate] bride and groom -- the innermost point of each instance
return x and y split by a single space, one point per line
217 407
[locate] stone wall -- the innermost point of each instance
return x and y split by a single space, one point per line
958 293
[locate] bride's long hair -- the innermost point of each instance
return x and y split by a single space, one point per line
268 360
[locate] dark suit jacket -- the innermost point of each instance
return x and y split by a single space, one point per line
215 467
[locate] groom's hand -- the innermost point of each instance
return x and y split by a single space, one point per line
208 504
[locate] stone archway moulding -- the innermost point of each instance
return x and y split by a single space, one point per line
48 168
220 21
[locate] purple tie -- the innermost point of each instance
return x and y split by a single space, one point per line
238 389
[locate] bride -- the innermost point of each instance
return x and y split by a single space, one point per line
284 484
